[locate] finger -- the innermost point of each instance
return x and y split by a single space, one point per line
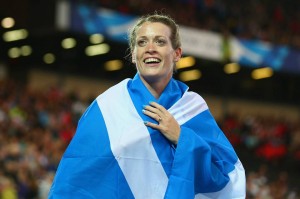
157 106
152 109
152 115
152 125
159 119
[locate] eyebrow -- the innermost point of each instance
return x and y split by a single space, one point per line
155 37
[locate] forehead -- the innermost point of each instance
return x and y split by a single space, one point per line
149 29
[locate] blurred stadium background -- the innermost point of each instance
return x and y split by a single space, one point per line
242 57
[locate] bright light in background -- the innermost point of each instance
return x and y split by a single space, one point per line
26 50
262 73
8 22
14 52
68 43
96 38
185 62
113 65
190 75
97 49
15 35
232 68
49 58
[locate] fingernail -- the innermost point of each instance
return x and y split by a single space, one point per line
145 122
143 110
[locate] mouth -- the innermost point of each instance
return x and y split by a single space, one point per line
152 60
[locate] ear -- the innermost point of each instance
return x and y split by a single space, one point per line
178 54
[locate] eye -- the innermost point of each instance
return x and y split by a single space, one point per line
141 42
161 42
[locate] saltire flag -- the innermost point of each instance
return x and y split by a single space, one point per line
114 155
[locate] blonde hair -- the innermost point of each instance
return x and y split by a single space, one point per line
164 19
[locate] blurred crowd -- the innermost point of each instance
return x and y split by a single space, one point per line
276 21
36 127
270 151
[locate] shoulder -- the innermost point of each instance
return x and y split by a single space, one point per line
192 97
114 91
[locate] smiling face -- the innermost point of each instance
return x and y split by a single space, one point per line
153 53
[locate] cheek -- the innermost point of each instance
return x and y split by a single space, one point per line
171 58
137 55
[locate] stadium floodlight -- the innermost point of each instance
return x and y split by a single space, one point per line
190 75
15 35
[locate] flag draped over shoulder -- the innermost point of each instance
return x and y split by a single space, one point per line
114 155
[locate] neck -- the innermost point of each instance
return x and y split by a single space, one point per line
156 87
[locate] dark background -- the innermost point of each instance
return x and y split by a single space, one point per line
39 18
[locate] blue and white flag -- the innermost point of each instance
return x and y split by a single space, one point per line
114 155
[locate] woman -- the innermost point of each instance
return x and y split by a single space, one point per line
149 137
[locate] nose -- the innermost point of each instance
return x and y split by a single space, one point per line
151 48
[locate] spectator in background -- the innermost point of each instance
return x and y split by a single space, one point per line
7 188
30 147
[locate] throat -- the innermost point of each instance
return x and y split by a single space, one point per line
155 87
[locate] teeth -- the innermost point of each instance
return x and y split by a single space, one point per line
151 60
